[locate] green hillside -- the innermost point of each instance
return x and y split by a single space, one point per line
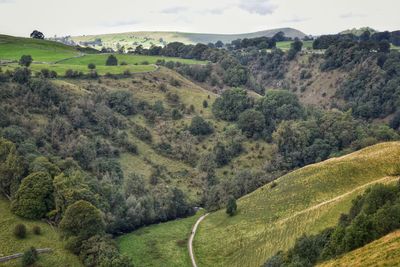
382 252
304 201
132 39
163 244
12 48
49 238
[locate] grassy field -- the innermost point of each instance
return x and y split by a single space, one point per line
304 201
164 244
49 238
67 57
100 60
12 48
101 70
382 252
286 45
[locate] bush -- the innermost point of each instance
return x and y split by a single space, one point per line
29 257
20 231
251 122
112 61
199 126
36 230
176 114
21 75
231 207
25 60
205 104
123 63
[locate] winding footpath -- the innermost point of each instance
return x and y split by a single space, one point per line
190 244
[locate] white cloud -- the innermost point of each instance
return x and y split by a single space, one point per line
261 7
211 16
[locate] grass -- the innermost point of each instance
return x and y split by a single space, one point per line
270 219
49 238
382 252
101 70
164 244
285 45
12 48
100 59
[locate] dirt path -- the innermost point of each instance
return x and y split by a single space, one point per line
190 243
387 178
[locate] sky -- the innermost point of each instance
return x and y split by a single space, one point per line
82 17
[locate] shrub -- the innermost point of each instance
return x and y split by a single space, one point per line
112 61
91 66
36 230
21 75
199 126
123 63
176 114
25 60
175 82
205 104
231 207
20 231
29 257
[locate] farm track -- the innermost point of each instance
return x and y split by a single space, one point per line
190 243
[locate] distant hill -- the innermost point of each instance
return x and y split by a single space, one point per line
132 39
358 31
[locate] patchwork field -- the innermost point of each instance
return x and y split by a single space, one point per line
59 58
163 244
49 238
304 201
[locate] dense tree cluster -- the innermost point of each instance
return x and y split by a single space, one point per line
371 216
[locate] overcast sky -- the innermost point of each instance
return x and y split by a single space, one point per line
78 17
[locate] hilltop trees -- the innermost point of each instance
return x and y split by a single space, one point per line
34 197
37 35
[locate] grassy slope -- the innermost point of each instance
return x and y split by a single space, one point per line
148 38
12 48
382 252
269 220
48 239
100 60
145 87
164 244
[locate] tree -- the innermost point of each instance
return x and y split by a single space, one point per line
11 167
25 60
230 104
251 122
91 66
20 231
34 197
29 257
81 221
221 155
69 188
112 61
205 104
219 44
37 35
199 126
21 75
231 207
